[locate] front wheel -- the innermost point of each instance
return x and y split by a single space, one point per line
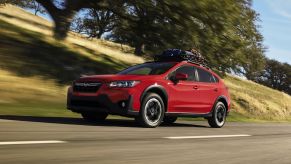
152 111
94 116
217 120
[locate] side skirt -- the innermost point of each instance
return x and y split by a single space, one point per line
192 115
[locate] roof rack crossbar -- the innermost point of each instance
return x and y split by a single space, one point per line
191 56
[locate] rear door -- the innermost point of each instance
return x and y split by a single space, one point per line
207 89
183 98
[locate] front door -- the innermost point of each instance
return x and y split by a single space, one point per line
183 94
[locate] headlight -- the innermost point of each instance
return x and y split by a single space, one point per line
123 84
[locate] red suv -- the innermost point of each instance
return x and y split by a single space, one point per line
153 92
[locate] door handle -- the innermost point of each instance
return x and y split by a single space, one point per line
195 87
215 89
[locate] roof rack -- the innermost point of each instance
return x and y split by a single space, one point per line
191 56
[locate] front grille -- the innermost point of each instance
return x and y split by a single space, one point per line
86 87
84 103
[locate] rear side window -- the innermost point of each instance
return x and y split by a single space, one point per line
205 76
189 70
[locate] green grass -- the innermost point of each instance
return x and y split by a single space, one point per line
35 71
37 109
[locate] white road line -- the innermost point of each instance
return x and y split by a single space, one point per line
210 136
31 142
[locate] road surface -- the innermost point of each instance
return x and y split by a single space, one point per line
72 140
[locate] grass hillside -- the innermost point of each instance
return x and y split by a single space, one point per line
35 71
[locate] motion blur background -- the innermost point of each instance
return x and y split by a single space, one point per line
46 44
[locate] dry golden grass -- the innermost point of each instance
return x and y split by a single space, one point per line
258 102
15 89
20 17
15 15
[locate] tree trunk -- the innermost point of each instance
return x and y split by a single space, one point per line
62 22
35 12
139 49
62 17
99 34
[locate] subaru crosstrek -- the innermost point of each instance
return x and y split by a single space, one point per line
153 93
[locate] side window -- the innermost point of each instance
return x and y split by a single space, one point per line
189 70
216 79
205 76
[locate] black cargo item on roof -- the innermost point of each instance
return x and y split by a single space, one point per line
181 55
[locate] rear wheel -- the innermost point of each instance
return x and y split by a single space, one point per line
94 116
170 119
152 111
217 120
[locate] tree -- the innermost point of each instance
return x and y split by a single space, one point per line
224 31
276 75
141 28
64 13
36 7
156 25
237 45
62 17
28 4
94 23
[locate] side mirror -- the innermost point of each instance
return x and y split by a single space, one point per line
181 76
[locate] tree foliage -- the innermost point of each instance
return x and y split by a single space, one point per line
28 4
94 23
276 75
225 32
63 11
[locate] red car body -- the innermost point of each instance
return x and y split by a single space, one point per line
193 98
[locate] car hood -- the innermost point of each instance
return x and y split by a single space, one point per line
108 78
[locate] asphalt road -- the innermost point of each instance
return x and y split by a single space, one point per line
121 141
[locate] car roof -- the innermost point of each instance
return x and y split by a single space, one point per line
188 62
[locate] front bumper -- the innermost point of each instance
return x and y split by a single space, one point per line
100 103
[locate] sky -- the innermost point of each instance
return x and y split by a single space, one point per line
275 26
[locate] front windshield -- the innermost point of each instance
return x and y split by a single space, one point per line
154 68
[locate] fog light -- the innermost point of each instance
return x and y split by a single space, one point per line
123 104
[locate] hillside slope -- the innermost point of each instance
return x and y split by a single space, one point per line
35 71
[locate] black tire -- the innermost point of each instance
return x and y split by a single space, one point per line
152 111
218 118
94 116
170 119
